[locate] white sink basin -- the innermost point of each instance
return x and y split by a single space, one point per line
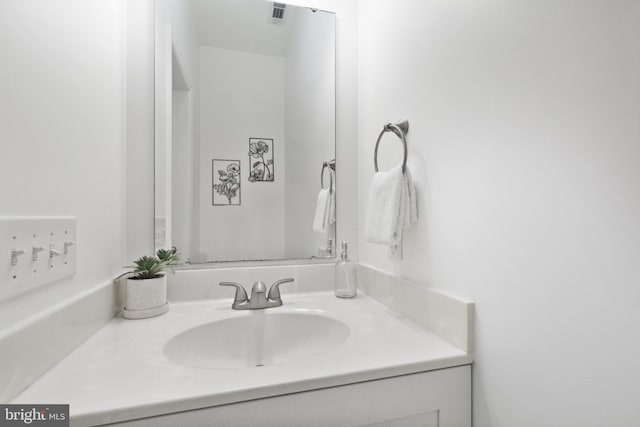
256 339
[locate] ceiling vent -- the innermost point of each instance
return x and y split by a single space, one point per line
278 14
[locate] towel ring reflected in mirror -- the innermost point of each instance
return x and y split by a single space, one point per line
332 167
400 129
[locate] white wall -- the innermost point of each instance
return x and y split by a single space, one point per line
163 130
182 174
62 132
524 147
139 127
241 96
243 25
346 115
178 15
310 125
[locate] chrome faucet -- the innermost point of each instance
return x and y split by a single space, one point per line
259 297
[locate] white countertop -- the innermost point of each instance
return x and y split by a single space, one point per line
121 372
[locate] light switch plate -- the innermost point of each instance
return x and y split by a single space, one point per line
22 273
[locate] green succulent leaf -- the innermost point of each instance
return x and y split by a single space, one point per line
147 267
168 256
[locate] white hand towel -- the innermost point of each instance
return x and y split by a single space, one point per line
384 209
332 198
332 207
392 206
320 219
411 216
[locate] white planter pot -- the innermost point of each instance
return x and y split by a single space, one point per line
146 298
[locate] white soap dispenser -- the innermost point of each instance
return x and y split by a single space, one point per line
346 285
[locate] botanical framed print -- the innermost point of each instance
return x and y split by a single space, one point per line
261 160
226 182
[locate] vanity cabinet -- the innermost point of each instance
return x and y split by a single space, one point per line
440 398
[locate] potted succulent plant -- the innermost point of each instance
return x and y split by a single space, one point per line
168 256
146 292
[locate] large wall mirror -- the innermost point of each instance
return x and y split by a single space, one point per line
245 130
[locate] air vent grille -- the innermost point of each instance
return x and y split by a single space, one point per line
278 14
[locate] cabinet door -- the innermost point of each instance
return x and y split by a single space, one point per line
439 398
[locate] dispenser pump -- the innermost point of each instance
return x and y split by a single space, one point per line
346 280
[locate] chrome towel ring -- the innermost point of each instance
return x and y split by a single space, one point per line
332 166
400 129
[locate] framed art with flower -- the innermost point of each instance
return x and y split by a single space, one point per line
226 182
261 160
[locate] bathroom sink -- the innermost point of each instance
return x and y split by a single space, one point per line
257 339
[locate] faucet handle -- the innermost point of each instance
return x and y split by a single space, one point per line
274 291
241 294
